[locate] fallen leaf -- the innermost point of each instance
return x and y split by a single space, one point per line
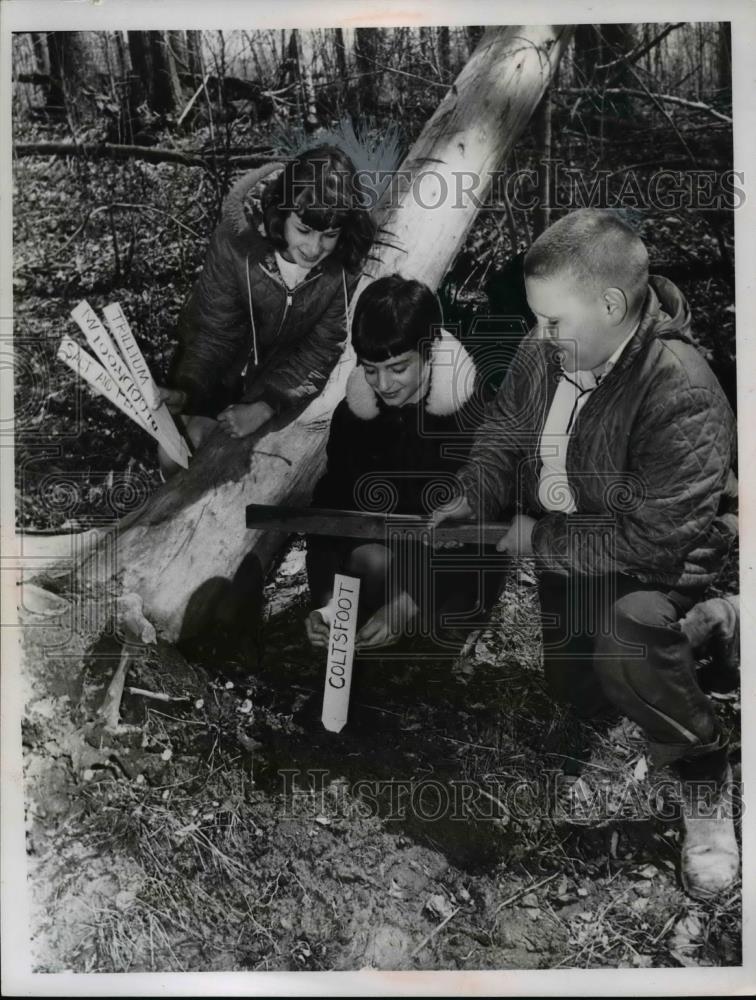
641 769
395 890
613 843
647 871
687 933
439 906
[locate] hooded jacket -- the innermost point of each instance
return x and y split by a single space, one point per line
402 460
649 459
243 335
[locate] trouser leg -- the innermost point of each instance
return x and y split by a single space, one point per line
569 613
646 667
462 602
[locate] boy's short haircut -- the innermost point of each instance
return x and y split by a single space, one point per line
392 316
596 247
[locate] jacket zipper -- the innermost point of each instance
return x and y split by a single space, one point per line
287 304
289 294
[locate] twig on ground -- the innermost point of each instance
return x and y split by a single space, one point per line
427 940
525 890
155 695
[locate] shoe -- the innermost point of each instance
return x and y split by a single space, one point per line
713 627
710 857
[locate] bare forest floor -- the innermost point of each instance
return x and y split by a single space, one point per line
225 829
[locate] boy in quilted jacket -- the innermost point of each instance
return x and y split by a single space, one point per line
610 446
265 323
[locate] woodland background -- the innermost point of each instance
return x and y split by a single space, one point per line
176 850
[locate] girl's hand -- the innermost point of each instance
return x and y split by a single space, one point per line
388 624
317 631
174 399
242 419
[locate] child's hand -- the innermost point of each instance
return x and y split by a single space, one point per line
388 623
243 419
518 540
174 399
317 631
457 509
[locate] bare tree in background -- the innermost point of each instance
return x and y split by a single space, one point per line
366 45
155 70
724 55
194 53
69 64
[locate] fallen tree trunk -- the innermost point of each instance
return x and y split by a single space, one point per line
187 553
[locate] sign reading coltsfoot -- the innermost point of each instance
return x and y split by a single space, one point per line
343 607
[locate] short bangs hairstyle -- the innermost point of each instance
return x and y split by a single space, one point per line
598 249
321 188
392 316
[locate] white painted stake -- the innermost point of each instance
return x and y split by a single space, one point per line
110 359
132 355
98 339
342 611
87 368
140 372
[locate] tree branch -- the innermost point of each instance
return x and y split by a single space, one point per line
114 151
650 96
641 50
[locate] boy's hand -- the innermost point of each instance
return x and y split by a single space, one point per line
174 399
518 540
317 631
243 419
457 509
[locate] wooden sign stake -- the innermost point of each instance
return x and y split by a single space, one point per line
118 381
343 614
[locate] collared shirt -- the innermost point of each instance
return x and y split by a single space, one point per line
572 392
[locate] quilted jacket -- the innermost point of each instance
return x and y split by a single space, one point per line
649 459
402 460
241 298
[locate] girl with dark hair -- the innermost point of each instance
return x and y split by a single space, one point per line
396 440
264 325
